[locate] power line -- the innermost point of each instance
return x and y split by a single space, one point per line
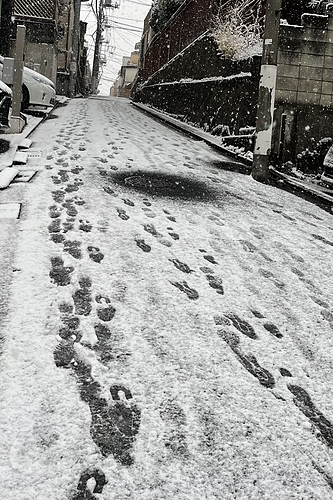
140 3
128 29
127 25
129 19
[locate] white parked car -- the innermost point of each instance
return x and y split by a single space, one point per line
37 90
5 106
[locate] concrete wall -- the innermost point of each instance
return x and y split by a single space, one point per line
45 56
190 21
201 88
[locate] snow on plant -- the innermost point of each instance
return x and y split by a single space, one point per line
237 29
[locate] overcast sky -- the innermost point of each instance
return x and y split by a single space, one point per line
120 38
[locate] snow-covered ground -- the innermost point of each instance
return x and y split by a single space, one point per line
169 325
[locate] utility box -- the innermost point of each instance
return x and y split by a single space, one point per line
8 71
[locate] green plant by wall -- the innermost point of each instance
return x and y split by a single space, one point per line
162 10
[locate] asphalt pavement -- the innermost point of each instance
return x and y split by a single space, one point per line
166 321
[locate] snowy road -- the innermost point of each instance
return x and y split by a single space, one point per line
169 332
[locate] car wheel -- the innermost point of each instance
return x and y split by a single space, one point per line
25 98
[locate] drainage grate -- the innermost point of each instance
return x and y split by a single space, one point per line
10 210
34 153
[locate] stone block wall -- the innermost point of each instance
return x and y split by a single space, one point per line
304 87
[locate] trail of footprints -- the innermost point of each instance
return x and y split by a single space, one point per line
214 281
233 325
115 421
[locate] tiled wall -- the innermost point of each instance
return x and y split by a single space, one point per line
305 62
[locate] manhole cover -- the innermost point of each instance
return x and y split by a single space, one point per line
10 210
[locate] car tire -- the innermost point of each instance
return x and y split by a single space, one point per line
25 98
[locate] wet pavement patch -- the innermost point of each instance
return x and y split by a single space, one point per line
164 185
4 146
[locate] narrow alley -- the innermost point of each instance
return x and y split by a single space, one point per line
166 326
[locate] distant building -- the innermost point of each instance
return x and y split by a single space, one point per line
40 19
64 50
48 45
126 76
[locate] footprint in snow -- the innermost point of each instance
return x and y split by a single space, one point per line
273 329
85 226
83 491
210 259
67 226
183 287
181 266
108 190
240 324
285 373
54 211
95 254
73 248
257 314
128 202
71 210
64 354
174 236
60 274
149 213
216 283
141 244
150 228
175 433
78 200
55 179
206 270
304 402
76 170
58 196
248 361
122 214
57 238
70 188
105 311
114 425
70 328
54 226
82 298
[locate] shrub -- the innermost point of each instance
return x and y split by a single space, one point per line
237 29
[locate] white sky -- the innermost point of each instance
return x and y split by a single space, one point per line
127 24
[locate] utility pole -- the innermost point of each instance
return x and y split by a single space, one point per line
75 48
17 122
266 99
97 52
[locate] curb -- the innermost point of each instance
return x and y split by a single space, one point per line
280 179
20 143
